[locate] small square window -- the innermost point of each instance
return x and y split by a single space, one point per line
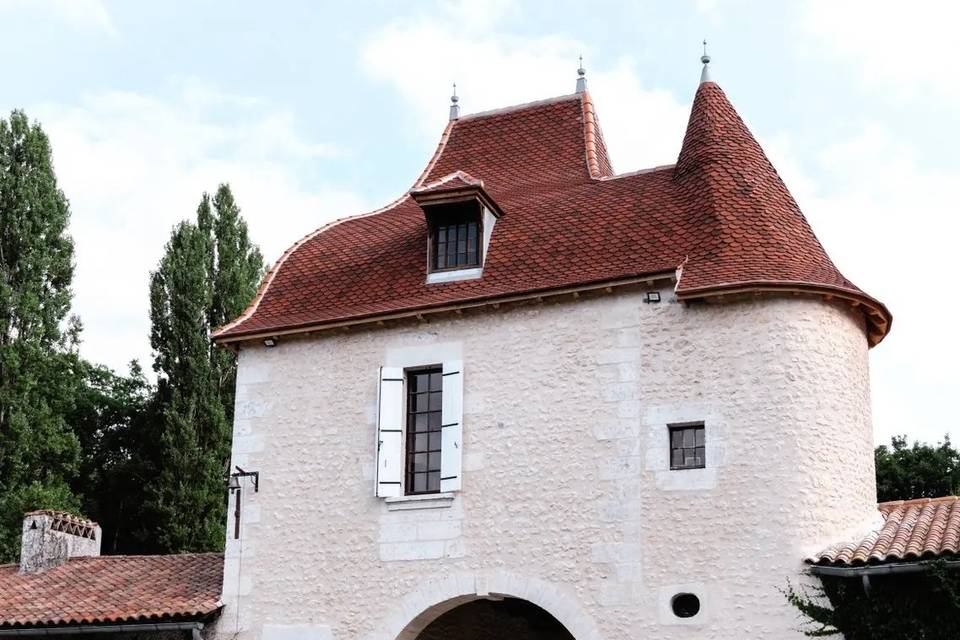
688 446
455 236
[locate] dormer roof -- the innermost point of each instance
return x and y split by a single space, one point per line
721 220
454 187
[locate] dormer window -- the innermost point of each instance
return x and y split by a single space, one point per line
456 231
460 217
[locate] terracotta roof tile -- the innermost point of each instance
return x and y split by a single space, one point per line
722 214
111 589
912 530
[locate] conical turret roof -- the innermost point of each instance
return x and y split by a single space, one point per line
754 235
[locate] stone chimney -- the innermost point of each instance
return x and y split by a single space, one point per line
50 538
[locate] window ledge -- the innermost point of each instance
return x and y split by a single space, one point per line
454 275
425 501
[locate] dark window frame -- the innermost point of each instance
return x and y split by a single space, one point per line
425 439
447 215
698 447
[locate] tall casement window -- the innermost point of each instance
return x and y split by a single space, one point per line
456 234
688 446
424 430
419 430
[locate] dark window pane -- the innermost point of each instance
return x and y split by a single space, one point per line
420 422
687 447
457 233
424 439
420 462
421 402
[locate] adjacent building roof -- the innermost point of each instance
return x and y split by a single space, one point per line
113 589
913 530
721 218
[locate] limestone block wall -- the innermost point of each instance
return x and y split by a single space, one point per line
568 500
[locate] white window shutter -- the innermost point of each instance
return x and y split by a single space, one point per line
390 433
451 441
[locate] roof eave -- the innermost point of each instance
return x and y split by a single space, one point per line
878 316
234 336
917 566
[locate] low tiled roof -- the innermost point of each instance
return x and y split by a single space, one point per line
722 217
912 530
112 589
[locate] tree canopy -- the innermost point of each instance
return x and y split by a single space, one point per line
916 471
146 460
39 366
208 274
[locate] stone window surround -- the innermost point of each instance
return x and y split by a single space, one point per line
420 501
655 425
414 356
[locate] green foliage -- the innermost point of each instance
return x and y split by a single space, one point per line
207 275
39 365
114 418
147 461
919 606
919 471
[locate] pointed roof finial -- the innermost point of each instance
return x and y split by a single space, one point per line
454 106
705 59
581 77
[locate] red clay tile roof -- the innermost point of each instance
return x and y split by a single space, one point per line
112 589
722 216
912 530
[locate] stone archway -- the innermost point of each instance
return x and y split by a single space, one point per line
416 611
496 619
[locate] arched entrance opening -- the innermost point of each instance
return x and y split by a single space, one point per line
495 619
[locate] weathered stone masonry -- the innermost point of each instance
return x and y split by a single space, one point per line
567 494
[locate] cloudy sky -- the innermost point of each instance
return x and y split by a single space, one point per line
312 111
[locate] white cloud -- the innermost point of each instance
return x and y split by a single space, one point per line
643 127
133 165
890 224
908 50
85 13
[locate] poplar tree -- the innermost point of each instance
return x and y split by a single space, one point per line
39 366
208 274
